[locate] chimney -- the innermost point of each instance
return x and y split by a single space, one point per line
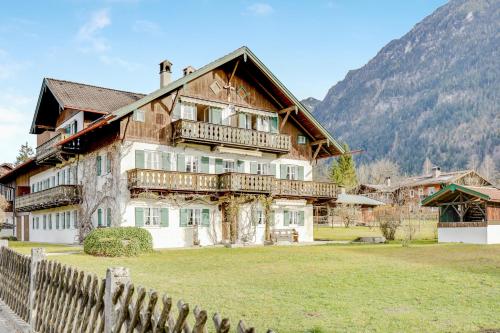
436 171
188 70
165 73
388 181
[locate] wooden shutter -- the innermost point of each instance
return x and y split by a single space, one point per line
97 165
139 217
99 217
205 217
183 217
240 166
215 115
242 120
204 164
274 124
301 218
165 161
283 171
218 165
286 218
108 217
164 217
300 173
181 163
139 159
253 167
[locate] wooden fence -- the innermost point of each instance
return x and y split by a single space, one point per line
54 298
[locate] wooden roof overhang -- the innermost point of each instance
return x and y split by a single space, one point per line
450 193
323 142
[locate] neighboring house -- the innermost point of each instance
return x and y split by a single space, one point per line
5 167
364 203
194 162
467 214
412 190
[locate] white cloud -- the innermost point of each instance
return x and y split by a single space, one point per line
260 9
128 65
148 27
89 33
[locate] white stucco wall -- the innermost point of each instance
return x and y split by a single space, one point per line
79 120
61 236
473 235
494 234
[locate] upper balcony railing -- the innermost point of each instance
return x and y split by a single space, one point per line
62 195
201 132
158 180
48 149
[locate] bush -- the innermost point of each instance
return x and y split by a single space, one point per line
118 242
10 238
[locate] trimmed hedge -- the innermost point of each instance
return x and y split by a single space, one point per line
118 242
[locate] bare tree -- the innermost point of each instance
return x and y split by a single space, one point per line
377 172
427 166
488 168
347 213
389 220
3 206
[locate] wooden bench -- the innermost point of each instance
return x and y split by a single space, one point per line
284 235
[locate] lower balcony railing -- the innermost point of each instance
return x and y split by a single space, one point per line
462 224
61 195
145 179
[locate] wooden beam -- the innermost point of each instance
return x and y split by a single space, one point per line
317 151
234 71
319 142
283 122
289 109
175 100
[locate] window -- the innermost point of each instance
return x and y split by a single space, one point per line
291 172
262 168
99 217
33 223
159 119
108 217
108 162
69 171
262 124
57 220
44 222
152 159
75 219
294 218
138 115
191 163
97 165
63 220
260 217
49 218
301 140
188 111
193 217
245 120
38 222
228 166
68 219
151 216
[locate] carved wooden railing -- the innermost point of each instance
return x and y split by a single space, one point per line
146 179
171 180
49 147
196 131
61 195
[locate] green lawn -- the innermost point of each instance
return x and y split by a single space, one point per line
332 288
25 247
423 230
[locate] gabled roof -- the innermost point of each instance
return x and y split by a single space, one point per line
18 169
443 178
357 200
79 96
486 193
247 55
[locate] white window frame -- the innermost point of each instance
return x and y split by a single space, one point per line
291 172
301 140
226 166
262 168
294 217
152 160
192 163
152 217
139 115
188 111
194 216
260 217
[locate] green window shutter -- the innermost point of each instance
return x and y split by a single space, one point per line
75 219
63 220
68 220
165 161
204 164
139 217
57 220
139 159
272 169
99 217
108 163
164 217
218 165
183 217
216 115
98 165
181 163
240 166
286 218
300 172
242 120
301 218
274 124
283 172
253 167
108 217
205 217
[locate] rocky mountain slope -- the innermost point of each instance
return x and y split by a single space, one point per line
433 93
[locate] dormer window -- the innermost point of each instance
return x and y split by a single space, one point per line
139 116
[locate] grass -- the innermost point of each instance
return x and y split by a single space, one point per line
25 247
423 230
328 288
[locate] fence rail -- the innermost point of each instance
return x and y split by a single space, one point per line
147 179
197 131
53 297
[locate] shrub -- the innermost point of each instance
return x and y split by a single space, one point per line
118 242
10 238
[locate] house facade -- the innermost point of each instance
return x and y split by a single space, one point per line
223 154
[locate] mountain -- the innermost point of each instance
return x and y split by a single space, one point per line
310 103
432 93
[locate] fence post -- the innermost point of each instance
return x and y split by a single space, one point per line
114 277
4 243
37 255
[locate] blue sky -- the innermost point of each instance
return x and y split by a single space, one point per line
309 45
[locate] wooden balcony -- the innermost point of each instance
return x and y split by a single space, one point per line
143 180
201 132
51 153
62 195
462 224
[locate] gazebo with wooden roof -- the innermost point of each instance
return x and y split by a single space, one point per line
468 214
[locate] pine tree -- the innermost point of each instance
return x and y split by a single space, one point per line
343 170
25 153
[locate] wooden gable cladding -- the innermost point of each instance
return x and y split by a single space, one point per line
241 92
